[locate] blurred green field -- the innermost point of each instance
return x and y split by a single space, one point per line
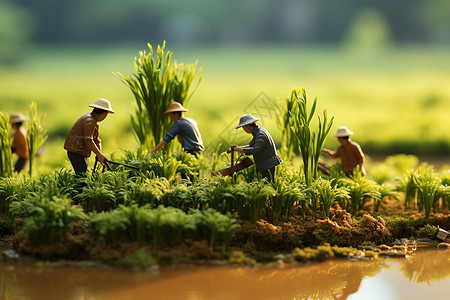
395 101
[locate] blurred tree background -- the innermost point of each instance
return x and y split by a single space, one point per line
206 21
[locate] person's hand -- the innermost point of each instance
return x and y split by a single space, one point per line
153 151
239 149
231 149
102 158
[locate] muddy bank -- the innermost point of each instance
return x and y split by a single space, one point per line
251 239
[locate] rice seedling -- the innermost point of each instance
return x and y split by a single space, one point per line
323 192
428 190
289 143
252 199
310 143
96 193
360 190
218 193
6 169
111 225
156 83
137 224
175 222
46 218
147 191
385 190
36 134
181 196
288 192
214 223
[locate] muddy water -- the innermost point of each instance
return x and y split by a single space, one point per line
426 275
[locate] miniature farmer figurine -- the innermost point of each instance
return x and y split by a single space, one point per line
83 138
348 151
19 143
262 147
186 129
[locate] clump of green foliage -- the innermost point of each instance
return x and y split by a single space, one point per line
157 82
46 219
309 142
36 134
5 146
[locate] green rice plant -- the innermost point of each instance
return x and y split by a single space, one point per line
360 189
147 191
217 193
310 143
323 192
214 223
46 219
385 190
137 224
189 163
183 197
36 134
289 142
252 199
408 185
157 82
428 184
445 177
111 225
156 222
6 169
288 192
175 222
13 189
96 193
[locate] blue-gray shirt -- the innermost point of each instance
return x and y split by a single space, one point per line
187 129
262 147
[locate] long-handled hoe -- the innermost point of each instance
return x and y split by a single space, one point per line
245 163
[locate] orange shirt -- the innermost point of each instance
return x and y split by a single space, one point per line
84 129
20 143
351 155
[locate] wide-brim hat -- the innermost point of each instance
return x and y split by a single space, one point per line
343 131
174 107
103 104
17 117
247 119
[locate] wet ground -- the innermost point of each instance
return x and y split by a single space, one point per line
424 275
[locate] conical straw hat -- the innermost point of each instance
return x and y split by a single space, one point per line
17 117
247 119
103 104
175 106
343 131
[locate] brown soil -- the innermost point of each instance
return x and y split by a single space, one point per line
340 229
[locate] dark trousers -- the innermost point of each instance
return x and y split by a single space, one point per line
79 162
269 174
20 164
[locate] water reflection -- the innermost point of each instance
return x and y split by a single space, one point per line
328 280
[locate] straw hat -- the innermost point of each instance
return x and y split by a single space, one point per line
175 106
103 104
17 117
343 131
247 119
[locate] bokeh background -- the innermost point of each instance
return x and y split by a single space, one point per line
381 67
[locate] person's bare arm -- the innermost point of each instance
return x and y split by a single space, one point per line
159 146
93 147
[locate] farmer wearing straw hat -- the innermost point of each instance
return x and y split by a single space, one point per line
19 144
348 151
185 128
262 147
83 138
